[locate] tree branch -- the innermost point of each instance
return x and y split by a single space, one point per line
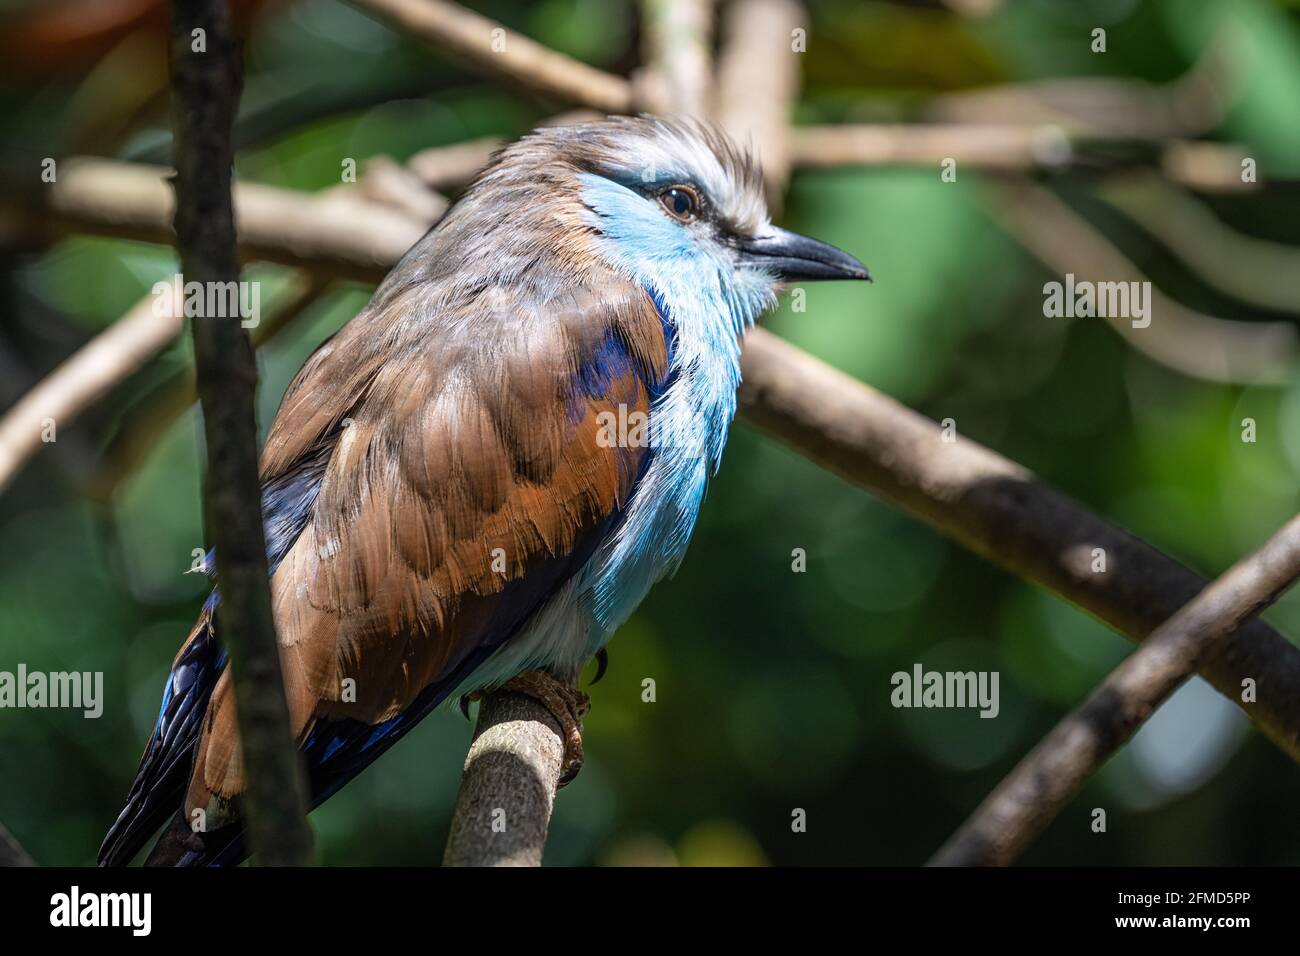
1054 771
1009 147
996 509
84 378
205 84
499 52
678 44
1197 345
503 810
145 424
758 82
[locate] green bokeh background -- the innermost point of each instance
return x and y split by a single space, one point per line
772 686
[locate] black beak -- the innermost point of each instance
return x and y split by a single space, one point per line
791 257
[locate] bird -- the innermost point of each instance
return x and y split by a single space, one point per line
477 479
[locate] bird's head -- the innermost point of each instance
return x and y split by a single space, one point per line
675 205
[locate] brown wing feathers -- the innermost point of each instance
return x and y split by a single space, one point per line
445 444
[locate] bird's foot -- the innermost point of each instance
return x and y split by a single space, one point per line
567 705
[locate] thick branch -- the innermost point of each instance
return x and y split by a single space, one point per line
312 230
995 508
504 807
205 86
1046 780
499 52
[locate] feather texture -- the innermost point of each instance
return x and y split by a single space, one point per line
444 506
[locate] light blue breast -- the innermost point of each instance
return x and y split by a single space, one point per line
708 306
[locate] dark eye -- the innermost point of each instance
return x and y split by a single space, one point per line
681 202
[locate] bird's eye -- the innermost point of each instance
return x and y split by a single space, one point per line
681 202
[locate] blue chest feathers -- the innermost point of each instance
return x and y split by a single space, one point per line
687 429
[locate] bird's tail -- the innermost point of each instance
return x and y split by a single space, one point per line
180 845
159 786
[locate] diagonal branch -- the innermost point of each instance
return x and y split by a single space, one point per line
89 374
488 46
1054 771
1197 345
996 509
205 85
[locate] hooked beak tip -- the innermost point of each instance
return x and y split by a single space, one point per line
792 257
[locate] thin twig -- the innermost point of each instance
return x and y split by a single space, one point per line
1047 779
84 378
205 85
1011 147
1201 346
1250 269
500 52
145 424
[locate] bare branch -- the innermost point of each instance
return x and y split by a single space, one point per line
1190 105
984 147
205 85
1247 268
392 184
1013 147
1218 350
758 82
132 201
678 47
1054 771
996 509
511 771
87 376
105 362
145 425
447 167
499 52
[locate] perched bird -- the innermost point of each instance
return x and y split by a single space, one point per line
478 479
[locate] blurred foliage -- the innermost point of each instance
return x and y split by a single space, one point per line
772 686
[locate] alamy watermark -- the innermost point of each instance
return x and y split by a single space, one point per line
946 689
76 690
209 300
1082 299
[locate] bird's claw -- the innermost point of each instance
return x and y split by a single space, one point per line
602 664
467 699
567 705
